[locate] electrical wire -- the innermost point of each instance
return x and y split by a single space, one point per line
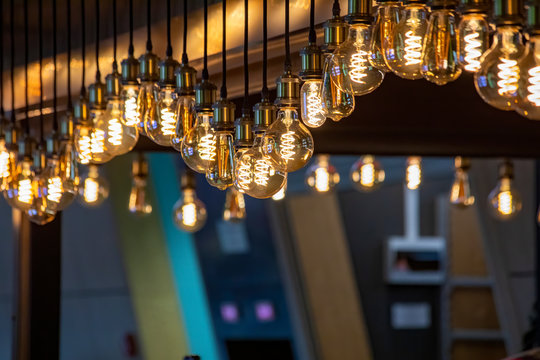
312 34
98 73
131 49
246 108
287 39
205 75
264 91
27 121
12 63
115 39
169 52
224 52
40 37
55 117
2 60
336 9
184 45
83 48
69 103
148 26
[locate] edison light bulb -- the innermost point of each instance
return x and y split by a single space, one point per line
460 193
311 103
504 199
40 211
20 188
383 31
280 195
235 206
147 100
121 138
94 189
497 80
220 173
528 93
364 77
199 144
473 34
185 113
287 141
83 131
404 53
367 174
322 176
337 92
99 138
8 163
413 174
189 213
133 109
162 127
55 185
439 53
138 201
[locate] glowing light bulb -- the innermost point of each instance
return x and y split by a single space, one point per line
528 94
311 103
147 100
354 52
439 53
404 53
22 185
460 193
61 189
99 138
185 113
189 213
414 172
221 172
367 174
280 195
138 201
337 92
322 176
8 163
287 141
473 34
133 108
235 206
199 144
94 189
162 128
504 199
40 211
387 18
497 80
120 138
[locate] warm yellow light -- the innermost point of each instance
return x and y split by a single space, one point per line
505 201
55 189
91 190
189 214
115 132
322 180
25 191
509 77
280 195
414 172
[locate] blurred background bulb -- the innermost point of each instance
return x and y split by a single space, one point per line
185 114
189 213
403 53
287 141
199 144
133 109
280 195
504 199
138 199
440 48
497 80
311 103
322 176
528 93
147 100
473 35
94 188
460 193
120 138
413 174
367 173
162 128
40 211
337 93
221 171
364 77
387 17
235 206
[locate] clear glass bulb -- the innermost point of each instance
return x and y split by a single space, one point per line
528 93
460 192
94 189
497 80
133 109
40 211
54 183
280 195
189 213
162 128
220 173
69 174
287 141
336 93
147 104
311 103
235 206
257 174
367 174
99 139
9 184
120 138
473 35
138 200
439 53
414 172
322 176
199 144
8 163
387 18
185 113
404 54
364 77
19 191
83 142
504 200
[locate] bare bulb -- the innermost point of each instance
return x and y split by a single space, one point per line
120 138
387 18
133 109
337 92
497 80
287 141
138 199
189 212
528 94
439 53
322 176
94 189
40 212
221 172
504 199
199 144
8 163
235 206
186 115
99 140
473 34
19 192
414 172
460 193
367 174
147 100
311 103
162 128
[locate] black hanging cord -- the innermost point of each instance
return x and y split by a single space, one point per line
2 58
184 53
55 118
27 122
131 49
336 9
69 104
83 48
224 52
148 26
169 45
12 64
40 24
264 92
98 73
115 40
245 108
287 40
205 58
312 33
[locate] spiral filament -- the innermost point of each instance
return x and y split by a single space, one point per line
314 104
534 88
207 147
97 141
189 214
509 76
262 170
243 176
131 114
414 175
413 48
322 180
168 122
367 175
472 52
505 202
54 189
85 150
4 164
287 146
91 190
115 132
25 191
358 66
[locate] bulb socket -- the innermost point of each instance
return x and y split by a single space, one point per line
130 71
26 148
359 12
39 159
80 109
506 169
96 95
508 12
288 90
148 67
52 144
65 126
12 135
223 115
443 4
265 114
476 6
205 96
243 135
113 84
311 56
139 166
533 17
335 33
463 163
186 78
167 72
188 180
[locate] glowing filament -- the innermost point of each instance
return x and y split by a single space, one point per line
207 147
131 113
4 164
115 132
314 104
322 180
91 190
472 52
54 189
189 214
262 171
98 141
287 146
505 202
413 48
414 176
509 76
243 175
358 66
25 191
85 150
367 175
168 122
534 88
